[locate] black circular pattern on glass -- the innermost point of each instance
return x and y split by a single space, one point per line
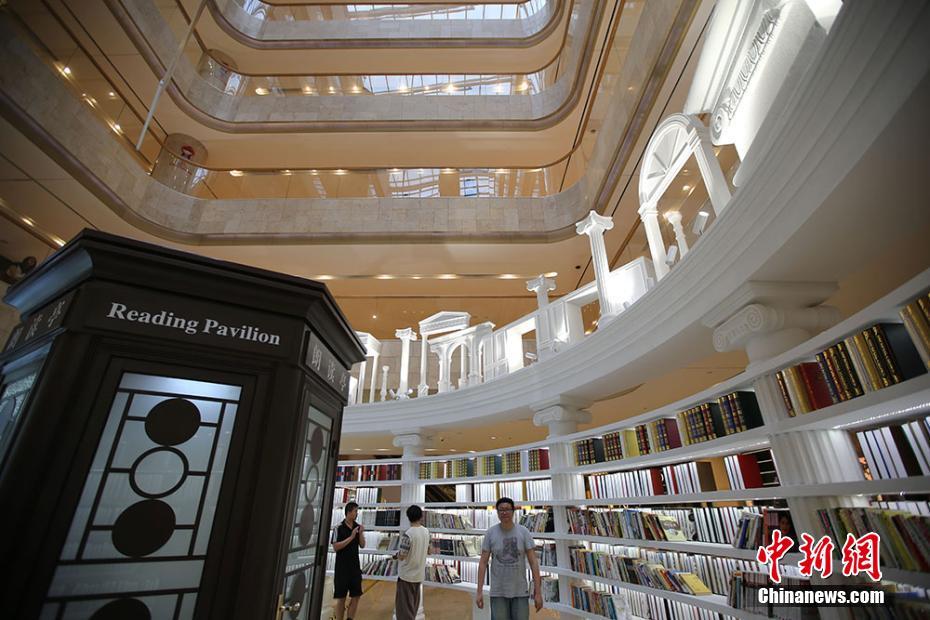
297 594
316 445
137 478
123 609
143 528
305 527
172 422
312 484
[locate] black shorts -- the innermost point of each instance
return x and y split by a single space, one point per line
347 583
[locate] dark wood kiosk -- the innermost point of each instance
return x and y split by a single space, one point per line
170 429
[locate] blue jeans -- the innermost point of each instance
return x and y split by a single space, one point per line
503 608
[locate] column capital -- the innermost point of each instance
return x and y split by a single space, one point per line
406 334
561 411
540 284
647 209
411 438
594 223
673 217
768 318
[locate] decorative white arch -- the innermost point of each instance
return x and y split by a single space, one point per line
674 141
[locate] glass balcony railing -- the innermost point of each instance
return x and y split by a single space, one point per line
390 12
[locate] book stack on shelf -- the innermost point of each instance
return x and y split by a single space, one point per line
641 433
368 473
483 492
665 433
702 423
490 465
342 495
461 546
448 520
897 451
537 520
874 358
380 567
434 470
598 599
379 518
740 412
629 523
513 490
538 459
383 541
367 495
751 470
549 586
905 536
633 442
510 463
754 528
463 468
916 317
539 490
546 553
744 588
442 573
589 451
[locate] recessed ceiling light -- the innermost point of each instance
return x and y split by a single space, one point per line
471 451
340 172
493 437
331 89
384 276
382 449
452 450
111 94
236 173
430 449
117 128
703 213
450 88
66 70
551 274
57 241
323 277
523 85
629 88
448 170
448 276
403 88
357 449
685 187
27 221
356 89
508 276
501 171
416 277
307 90
374 316
286 172
261 90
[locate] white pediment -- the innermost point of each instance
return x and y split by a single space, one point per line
442 322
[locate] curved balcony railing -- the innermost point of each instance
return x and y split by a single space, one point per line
389 12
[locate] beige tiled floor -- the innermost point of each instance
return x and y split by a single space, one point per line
438 604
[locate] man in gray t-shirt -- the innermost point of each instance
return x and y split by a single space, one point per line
510 547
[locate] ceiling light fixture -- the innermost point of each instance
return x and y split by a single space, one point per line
117 128
236 173
384 276
27 221
261 90
307 90
508 276
332 90
403 88
57 240
111 95
65 70
685 187
357 449
340 172
356 89
286 172
450 88
500 171
374 316
448 276
493 437
324 277
448 170
382 449
551 274
523 86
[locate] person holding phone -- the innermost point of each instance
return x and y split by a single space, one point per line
347 578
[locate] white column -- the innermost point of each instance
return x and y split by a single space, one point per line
374 378
412 491
445 366
463 369
709 165
649 215
541 286
674 218
474 360
562 417
406 336
594 226
384 373
360 397
423 387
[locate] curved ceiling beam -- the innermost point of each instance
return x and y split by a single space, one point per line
373 42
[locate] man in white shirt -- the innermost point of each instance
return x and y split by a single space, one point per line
411 570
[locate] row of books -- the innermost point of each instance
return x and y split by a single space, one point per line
665 434
380 567
744 588
600 601
869 360
626 564
385 542
754 529
549 586
538 459
378 518
612 446
751 470
916 317
368 473
367 495
626 523
442 573
897 451
730 413
449 520
537 521
905 537
518 490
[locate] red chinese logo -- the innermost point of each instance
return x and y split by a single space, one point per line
816 556
773 553
860 555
